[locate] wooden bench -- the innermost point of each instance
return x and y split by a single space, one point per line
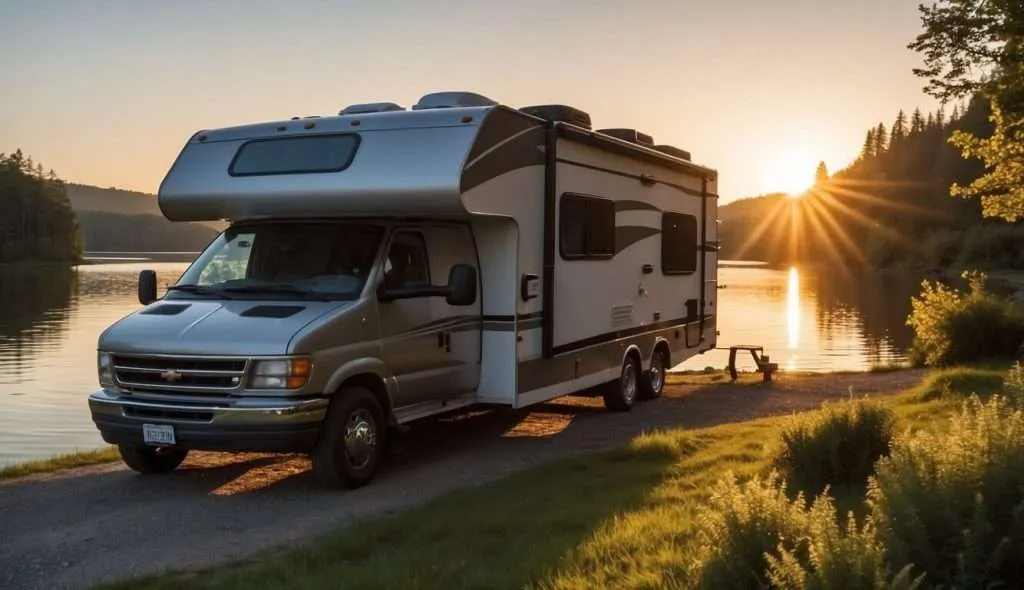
763 362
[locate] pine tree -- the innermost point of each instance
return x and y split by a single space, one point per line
868 150
821 174
916 122
940 118
881 139
899 128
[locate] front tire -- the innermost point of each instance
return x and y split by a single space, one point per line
352 440
151 460
620 395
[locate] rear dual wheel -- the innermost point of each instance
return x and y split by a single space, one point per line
633 383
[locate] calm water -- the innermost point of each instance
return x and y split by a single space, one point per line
50 319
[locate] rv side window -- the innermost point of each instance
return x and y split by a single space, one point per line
407 263
586 227
678 243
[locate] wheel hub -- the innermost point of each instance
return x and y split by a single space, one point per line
629 382
360 438
657 372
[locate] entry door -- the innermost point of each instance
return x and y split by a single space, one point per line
432 348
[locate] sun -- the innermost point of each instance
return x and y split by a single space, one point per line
790 171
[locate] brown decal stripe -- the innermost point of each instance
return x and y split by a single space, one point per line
627 235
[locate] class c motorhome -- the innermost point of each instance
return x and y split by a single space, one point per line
386 265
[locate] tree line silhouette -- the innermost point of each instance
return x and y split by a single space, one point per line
37 222
889 207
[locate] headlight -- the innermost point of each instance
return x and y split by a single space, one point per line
289 373
105 368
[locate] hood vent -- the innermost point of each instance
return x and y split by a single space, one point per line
277 312
167 309
559 113
630 135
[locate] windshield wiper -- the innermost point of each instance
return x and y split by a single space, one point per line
197 289
282 289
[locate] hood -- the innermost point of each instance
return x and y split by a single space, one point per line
204 327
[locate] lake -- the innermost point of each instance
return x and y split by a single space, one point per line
807 320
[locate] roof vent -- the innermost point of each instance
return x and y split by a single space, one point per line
559 113
630 135
673 151
370 107
447 100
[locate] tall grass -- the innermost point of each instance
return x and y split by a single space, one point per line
953 326
836 447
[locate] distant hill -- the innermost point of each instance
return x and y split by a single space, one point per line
740 219
115 220
111 200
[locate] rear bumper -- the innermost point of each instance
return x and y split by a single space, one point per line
246 424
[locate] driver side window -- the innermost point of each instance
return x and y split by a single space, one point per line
230 263
407 264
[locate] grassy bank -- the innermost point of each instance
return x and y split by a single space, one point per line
623 519
65 461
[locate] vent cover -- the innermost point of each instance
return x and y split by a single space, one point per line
272 311
673 151
370 107
630 135
447 100
167 309
559 113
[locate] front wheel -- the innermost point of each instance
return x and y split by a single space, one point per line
150 460
620 394
352 441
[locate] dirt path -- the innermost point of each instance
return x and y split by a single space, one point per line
93 524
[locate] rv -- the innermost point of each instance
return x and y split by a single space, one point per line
385 265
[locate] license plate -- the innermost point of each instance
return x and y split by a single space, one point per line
158 434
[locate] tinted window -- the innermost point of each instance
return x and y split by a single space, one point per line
257 260
678 243
295 155
587 227
406 265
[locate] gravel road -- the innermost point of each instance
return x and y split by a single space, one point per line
93 524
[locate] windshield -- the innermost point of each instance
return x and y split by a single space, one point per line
284 261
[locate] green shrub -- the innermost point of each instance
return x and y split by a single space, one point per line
952 326
756 537
1014 384
836 447
750 522
952 504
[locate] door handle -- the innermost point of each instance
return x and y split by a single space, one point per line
447 341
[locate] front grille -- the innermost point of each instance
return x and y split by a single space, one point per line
178 374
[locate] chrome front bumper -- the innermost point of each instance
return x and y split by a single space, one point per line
241 424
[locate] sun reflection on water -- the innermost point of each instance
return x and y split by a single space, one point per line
793 309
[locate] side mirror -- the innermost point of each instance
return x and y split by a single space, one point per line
147 287
461 285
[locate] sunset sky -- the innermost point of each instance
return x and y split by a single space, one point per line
107 91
